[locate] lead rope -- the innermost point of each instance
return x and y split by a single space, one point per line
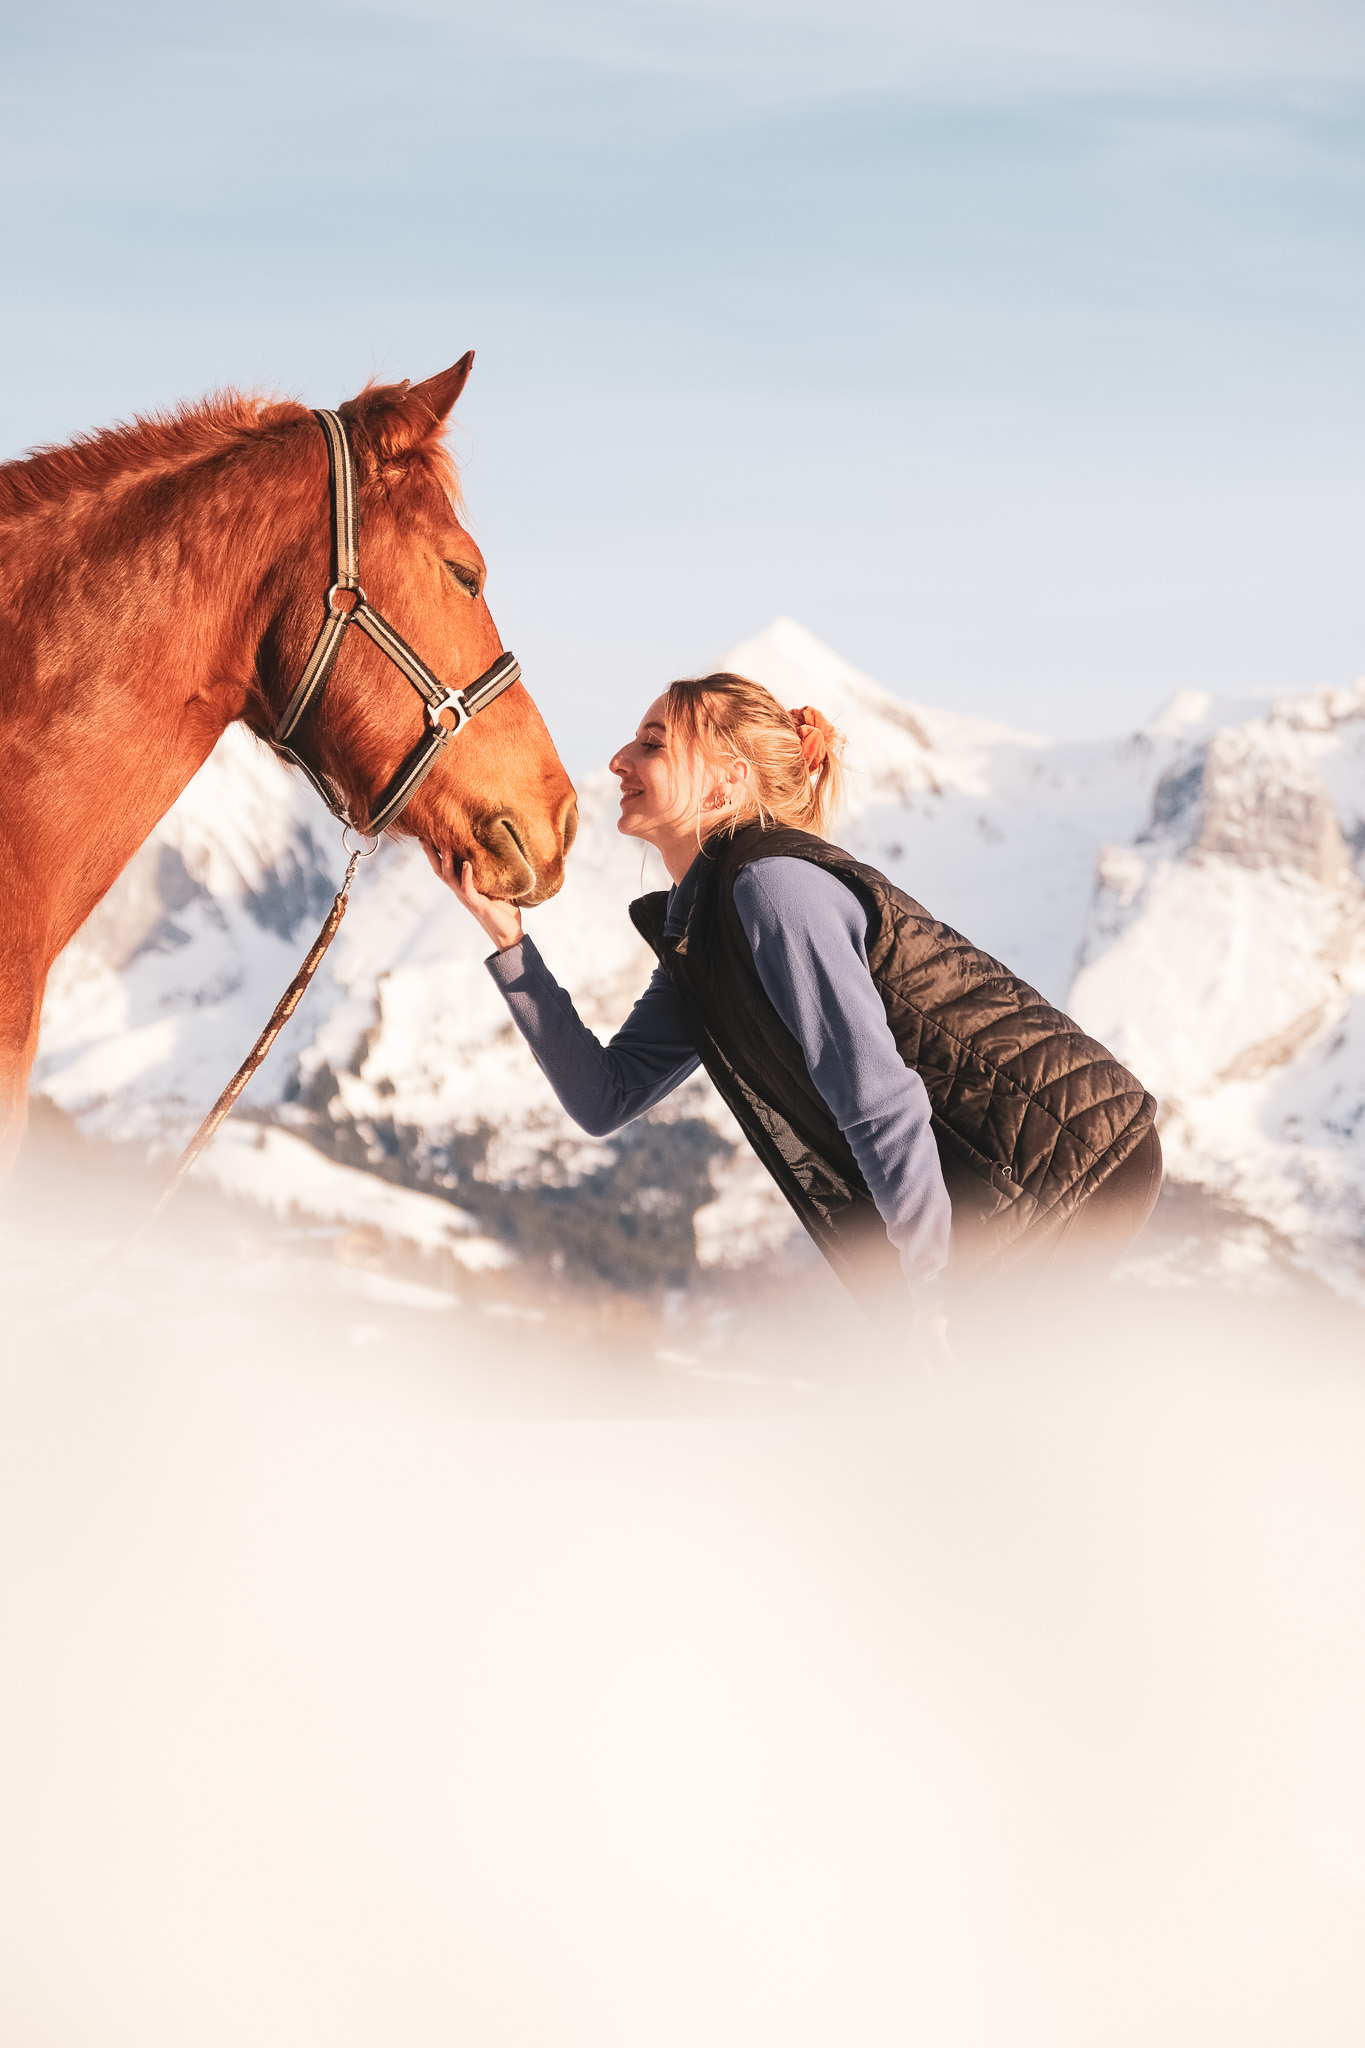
279 1017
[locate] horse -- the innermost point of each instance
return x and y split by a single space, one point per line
161 580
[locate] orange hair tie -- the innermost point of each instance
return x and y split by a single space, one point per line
815 732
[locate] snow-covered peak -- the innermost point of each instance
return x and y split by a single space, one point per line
1181 716
895 747
1322 710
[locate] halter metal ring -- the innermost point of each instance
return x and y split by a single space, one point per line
354 831
450 700
352 590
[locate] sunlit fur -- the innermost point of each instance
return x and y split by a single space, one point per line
163 579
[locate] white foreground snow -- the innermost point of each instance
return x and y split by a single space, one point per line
378 1669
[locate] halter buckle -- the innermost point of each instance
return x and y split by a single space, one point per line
453 701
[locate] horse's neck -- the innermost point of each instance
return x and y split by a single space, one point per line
139 655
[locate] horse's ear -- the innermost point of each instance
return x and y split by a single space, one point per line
423 408
441 392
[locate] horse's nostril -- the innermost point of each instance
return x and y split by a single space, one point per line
505 838
506 825
570 829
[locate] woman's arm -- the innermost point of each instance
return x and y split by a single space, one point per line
601 1086
808 933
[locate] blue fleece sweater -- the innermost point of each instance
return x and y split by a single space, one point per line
808 933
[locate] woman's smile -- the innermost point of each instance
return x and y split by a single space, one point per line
660 794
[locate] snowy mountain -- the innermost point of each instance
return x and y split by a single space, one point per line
1224 958
1189 892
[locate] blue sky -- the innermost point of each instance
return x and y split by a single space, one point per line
1017 352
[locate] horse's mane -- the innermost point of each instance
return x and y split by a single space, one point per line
189 433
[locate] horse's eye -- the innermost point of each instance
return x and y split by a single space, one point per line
468 579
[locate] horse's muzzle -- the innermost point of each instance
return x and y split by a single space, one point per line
521 864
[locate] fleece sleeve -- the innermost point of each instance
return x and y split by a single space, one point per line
601 1086
808 933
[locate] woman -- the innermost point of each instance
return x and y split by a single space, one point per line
910 1096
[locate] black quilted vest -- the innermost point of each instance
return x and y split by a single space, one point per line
1030 1115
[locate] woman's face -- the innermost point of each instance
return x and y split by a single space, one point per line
662 788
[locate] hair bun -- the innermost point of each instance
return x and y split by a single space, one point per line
815 733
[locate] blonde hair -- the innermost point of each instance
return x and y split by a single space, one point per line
795 777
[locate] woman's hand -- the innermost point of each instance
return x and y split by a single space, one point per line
501 921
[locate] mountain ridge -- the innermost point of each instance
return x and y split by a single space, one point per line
1189 891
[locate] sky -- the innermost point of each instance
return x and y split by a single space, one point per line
1015 352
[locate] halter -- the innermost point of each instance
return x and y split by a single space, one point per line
448 711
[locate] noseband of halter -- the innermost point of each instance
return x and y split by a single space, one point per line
448 711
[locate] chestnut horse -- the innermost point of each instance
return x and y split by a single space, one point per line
159 581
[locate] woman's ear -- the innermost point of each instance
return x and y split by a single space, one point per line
731 788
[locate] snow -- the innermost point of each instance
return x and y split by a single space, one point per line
377 1673
1189 891
283 1173
1224 960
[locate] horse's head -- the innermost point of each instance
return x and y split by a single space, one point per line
499 794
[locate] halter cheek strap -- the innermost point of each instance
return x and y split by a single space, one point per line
448 711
